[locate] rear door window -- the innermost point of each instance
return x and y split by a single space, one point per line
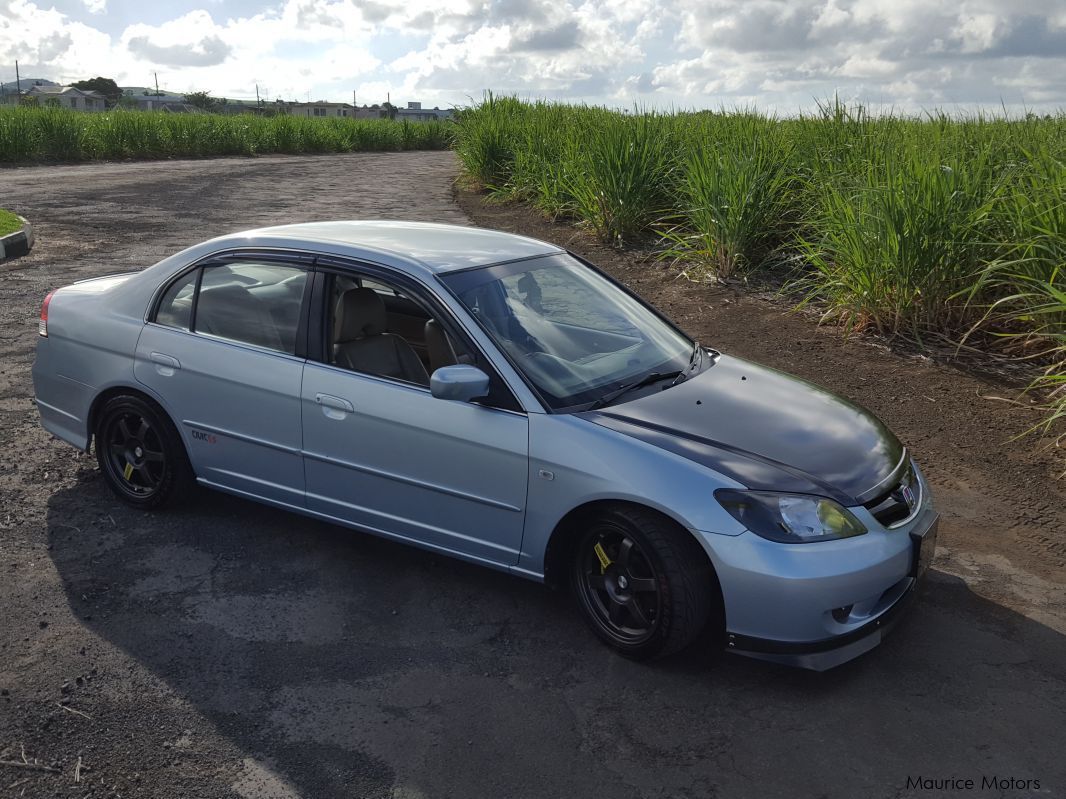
254 303
175 309
248 302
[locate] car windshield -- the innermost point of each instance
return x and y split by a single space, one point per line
573 334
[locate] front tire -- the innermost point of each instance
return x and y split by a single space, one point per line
140 453
644 585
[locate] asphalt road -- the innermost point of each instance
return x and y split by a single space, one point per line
226 649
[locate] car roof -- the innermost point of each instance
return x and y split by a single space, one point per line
439 248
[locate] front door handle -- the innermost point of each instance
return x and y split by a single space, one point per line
166 365
334 407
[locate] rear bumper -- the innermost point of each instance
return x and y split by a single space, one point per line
62 425
60 401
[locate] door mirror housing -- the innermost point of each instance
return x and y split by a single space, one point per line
460 382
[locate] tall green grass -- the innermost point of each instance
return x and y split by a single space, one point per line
895 246
487 151
950 226
736 193
621 187
54 134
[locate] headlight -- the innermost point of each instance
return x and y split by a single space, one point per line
789 518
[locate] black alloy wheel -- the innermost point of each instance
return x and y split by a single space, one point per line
643 583
135 453
140 453
620 586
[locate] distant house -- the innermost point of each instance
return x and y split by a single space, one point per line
68 97
368 112
317 109
174 103
416 113
244 107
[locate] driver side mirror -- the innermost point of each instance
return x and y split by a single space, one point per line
460 382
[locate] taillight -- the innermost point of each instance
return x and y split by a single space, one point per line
42 327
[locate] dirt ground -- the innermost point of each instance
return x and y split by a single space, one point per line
229 650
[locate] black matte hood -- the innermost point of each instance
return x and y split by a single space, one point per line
766 430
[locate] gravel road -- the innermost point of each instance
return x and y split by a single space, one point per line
229 650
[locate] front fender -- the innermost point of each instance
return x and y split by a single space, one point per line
574 462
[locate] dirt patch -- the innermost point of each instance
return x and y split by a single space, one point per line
998 496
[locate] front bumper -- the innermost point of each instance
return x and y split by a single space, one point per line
829 652
817 606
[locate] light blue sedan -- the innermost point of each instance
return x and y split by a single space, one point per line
497 399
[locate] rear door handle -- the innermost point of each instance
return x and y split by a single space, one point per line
334 407
164 364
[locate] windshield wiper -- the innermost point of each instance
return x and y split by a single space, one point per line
694 360
647 380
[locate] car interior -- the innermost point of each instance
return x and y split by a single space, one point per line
378 330
374 328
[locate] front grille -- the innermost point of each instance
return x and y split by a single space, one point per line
899 503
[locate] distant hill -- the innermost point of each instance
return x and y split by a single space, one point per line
27 82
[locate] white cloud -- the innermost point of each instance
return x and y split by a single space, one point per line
778 54
44 40
193 40
977 32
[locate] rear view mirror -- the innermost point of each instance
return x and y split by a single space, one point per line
461 383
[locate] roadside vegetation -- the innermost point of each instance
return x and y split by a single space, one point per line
9 222
29 135
933 228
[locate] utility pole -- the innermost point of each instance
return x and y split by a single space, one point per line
258 103
156 83
18 81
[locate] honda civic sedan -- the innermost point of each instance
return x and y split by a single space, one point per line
500 400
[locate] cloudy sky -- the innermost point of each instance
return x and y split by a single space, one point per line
778 55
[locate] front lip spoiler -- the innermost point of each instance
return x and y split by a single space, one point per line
829 652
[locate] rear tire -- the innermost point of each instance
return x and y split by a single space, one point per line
141 454
644 585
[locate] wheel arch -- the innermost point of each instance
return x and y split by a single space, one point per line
109 393
561 541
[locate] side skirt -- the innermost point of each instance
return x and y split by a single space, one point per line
325 517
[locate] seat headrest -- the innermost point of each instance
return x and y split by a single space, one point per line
226 293
361 313
222 305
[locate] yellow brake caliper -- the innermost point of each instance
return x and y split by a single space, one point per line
127 471
604 560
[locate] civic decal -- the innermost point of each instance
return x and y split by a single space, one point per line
205 437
